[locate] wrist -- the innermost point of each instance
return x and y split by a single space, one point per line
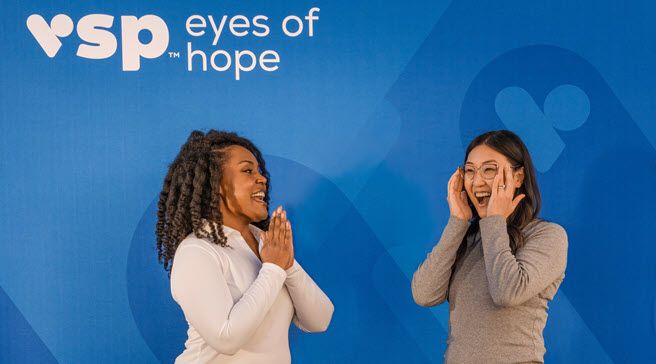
293 268
274 269
459 217
493 212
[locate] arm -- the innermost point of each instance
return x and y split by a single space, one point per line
430 283
198 285
313 309
514 279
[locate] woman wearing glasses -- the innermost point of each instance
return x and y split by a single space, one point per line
496 263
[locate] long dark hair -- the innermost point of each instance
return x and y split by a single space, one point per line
511 146
191 191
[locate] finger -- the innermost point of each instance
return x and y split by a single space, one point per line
459 182
508 180
464 201
283 227
502 178
495 184
501 182
273 228
517 200
511 177
263 237
290 242
279 233
463 197
283 223
268 236
288 235
449 186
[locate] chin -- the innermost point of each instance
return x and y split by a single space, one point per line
259 213
260 216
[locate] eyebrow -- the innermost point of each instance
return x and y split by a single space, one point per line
249 162
486 162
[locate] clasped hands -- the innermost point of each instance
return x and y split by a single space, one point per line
278 245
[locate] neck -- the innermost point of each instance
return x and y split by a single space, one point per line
237 224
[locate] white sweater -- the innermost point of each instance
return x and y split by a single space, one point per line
239 309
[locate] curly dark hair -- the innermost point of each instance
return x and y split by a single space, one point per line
191 191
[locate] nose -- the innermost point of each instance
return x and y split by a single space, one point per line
261 179
478 179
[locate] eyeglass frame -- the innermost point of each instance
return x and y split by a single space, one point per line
462 169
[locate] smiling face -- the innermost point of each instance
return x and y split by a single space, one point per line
478 188
242 188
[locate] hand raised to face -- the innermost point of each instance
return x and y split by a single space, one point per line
502 201
278 243
457 197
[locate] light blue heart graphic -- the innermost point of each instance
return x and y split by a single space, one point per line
566 108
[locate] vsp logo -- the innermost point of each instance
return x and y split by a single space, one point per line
94 30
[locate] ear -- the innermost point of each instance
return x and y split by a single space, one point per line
518 177
222 191
222 200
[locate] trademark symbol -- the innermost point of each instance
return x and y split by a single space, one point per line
174 54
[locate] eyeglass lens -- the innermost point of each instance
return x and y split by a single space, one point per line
488 171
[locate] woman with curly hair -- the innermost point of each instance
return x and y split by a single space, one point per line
496 263
232 267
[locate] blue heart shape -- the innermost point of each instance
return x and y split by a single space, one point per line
566 107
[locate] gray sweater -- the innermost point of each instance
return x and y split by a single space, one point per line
497 300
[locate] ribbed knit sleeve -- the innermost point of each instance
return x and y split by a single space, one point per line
513 279
430 283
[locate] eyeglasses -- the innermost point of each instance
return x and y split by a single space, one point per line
487 171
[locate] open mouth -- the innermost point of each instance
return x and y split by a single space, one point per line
259 197
482 198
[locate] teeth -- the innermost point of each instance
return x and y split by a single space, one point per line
483 194
258 194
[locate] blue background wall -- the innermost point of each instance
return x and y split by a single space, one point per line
361 125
